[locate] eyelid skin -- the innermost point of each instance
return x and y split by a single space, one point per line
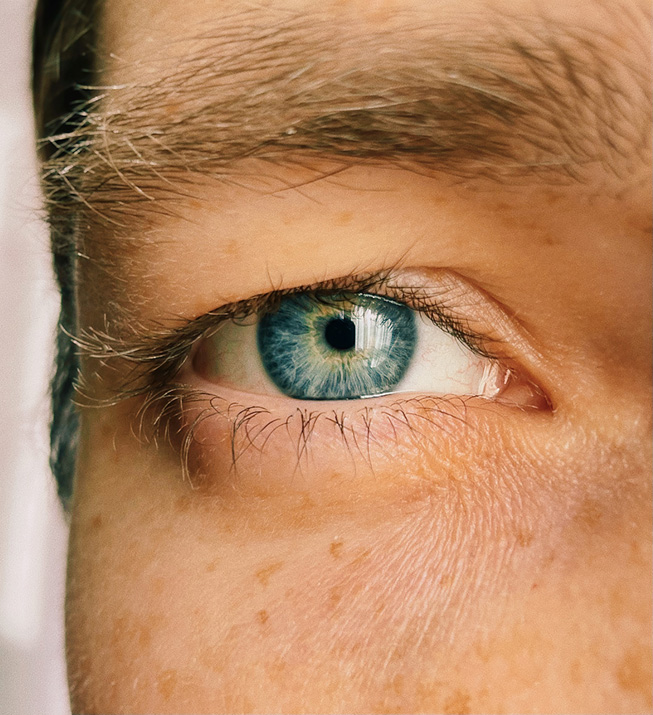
222 434
156 351
212 425
217 432
269 446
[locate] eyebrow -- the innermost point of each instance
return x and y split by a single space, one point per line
528 99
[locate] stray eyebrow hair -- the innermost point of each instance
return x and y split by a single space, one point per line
508 99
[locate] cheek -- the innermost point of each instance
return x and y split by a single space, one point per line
187 600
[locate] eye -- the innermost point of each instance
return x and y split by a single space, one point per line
344 347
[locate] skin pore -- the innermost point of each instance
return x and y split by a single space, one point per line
241 551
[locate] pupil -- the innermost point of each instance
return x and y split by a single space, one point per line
340 333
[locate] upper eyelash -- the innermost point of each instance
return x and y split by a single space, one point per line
149 360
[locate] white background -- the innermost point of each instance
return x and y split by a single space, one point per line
32 527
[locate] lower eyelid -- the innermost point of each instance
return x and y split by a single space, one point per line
275 445
267 448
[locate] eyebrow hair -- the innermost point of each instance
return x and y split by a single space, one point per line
525 100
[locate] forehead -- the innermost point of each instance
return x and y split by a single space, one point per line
354 78
137 37
514 92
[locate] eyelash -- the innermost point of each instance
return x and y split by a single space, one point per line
147 365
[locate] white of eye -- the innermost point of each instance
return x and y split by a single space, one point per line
441 365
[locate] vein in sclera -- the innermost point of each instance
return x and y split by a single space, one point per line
442 365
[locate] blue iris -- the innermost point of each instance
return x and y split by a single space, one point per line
337 347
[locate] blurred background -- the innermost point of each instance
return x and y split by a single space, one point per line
32 527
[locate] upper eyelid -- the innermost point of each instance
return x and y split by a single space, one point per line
151 342
155 342
379 283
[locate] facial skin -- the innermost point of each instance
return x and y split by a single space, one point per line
403 553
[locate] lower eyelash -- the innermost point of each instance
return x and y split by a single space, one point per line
162 415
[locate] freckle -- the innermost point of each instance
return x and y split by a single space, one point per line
172 108
211 566
336 549
503 206
231 249
636 224
446 580
167 683
524 538
634 672
360 558
483 651
182 503
575 672
552 197
636 548
263 617
97 522
264 574
144 636
277 666
344 218
397 684
214 660
589 514
335 596
457 704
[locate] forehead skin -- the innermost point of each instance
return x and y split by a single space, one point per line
503 566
